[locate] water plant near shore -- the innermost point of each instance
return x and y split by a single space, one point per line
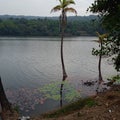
51 91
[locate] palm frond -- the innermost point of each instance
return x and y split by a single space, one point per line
64 6
67 3
56 8
72 10
60 1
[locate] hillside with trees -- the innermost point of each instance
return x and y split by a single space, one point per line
47 26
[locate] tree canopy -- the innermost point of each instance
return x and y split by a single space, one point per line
76 26
109 11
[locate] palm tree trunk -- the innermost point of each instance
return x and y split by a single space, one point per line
62 60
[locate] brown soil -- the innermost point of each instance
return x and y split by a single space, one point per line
9 115
107 108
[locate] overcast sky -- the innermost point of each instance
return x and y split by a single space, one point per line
39 7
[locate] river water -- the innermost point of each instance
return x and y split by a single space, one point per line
27 64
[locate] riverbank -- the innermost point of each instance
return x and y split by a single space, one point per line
104 106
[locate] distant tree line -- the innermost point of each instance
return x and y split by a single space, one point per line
48 26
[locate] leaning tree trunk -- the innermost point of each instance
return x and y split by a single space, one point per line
5 105
63 20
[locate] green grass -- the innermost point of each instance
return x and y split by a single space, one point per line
89 102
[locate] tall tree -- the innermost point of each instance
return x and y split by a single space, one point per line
64 8
109 10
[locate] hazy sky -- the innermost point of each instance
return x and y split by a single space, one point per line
38 7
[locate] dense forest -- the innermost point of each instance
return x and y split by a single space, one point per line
48 26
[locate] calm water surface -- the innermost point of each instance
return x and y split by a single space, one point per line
29 63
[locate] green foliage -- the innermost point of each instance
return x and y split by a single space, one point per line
109 10
116 78
52 91
76 26
90 102
103 48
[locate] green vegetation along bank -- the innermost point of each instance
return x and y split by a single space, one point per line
48 26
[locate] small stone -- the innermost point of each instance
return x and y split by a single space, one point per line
99 103
110 111
24 118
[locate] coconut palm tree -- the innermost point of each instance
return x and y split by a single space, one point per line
64 8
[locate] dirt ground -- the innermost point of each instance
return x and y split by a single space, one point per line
107 108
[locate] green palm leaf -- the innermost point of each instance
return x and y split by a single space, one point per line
56 8
72 10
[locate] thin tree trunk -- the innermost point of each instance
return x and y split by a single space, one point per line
5 105
99 69
99 64
62 59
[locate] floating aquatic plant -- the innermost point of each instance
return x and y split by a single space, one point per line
52 91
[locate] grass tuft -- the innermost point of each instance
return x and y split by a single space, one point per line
71 108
